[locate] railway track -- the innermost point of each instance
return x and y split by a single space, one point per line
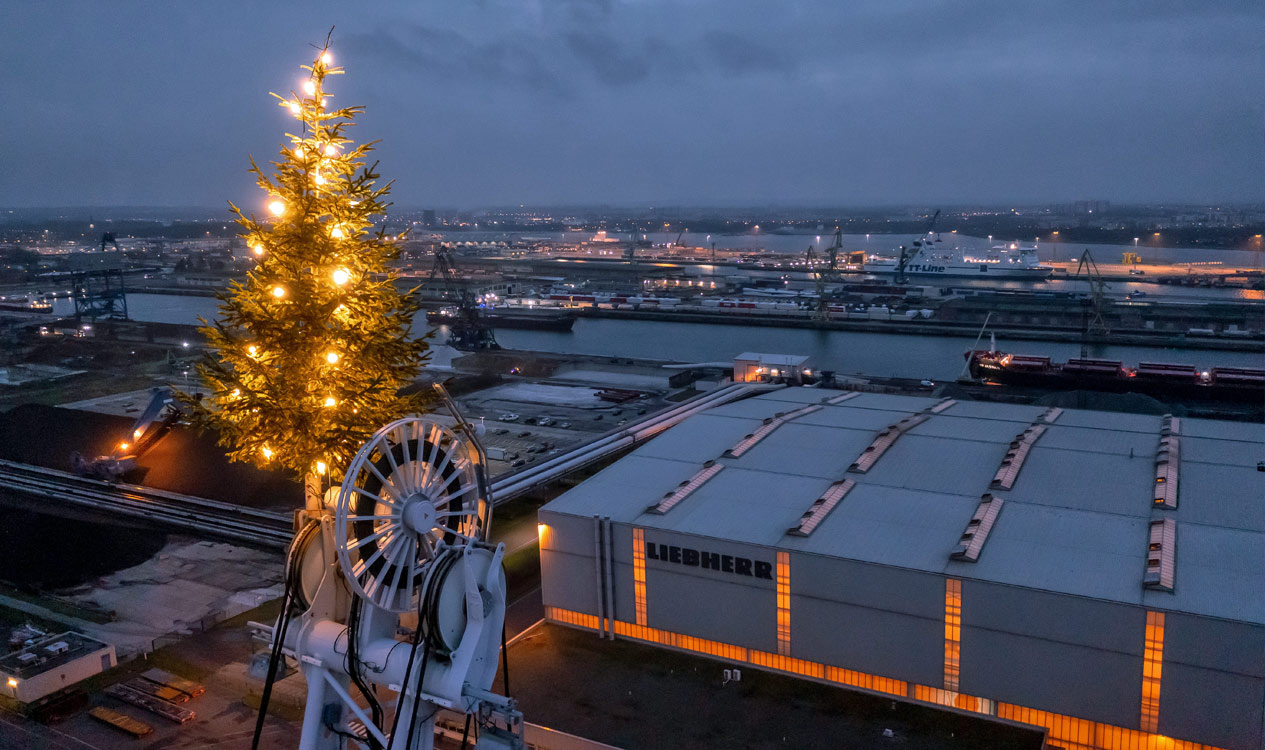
195 514
272 530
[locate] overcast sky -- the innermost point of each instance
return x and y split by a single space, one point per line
716 102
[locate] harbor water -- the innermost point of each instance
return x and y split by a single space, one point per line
846 352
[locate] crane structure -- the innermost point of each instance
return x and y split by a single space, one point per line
1095 318
149 428
829 273
470 328
399 546
918 245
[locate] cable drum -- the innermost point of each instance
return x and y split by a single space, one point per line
411 491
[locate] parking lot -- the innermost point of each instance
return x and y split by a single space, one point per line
512 415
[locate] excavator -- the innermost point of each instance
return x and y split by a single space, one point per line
149 428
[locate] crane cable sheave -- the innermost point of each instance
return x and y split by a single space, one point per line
414 489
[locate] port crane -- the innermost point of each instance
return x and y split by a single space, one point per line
1095 320
399 546
470 329
918 244
830 273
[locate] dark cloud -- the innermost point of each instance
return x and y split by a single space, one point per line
712 101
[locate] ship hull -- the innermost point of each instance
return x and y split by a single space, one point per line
561 322
973 272
987 367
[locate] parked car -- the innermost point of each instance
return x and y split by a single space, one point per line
564 425
525 433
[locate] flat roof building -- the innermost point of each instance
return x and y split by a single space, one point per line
53 664
755 366
1097 574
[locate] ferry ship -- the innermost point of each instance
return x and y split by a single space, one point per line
927 258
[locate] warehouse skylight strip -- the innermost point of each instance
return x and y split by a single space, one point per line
821 507
1167 463
842 397
766 429
682 491
1160 555
972 541
1012 462
875 450
1051 414
944 404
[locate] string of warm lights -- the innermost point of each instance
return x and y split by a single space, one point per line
309 351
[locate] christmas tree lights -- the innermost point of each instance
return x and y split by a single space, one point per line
308 354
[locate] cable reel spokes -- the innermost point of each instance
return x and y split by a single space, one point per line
412 490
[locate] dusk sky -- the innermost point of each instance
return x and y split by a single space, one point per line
714 102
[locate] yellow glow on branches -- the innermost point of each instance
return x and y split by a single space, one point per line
309 87
332 358
342 276
278 292
277 207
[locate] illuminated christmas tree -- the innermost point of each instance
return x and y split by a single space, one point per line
308 354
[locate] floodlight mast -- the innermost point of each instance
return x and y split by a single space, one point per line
405 538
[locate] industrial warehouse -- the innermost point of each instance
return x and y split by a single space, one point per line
1095 574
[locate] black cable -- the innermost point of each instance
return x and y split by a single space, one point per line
465 733
443 567
353 659
283 624
408 668
505 662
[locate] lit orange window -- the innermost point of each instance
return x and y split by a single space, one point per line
784 603
1152 666
639 574
1067 731
952 632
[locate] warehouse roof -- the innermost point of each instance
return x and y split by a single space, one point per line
1076 519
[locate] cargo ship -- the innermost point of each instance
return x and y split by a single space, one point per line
501 317
1161 380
